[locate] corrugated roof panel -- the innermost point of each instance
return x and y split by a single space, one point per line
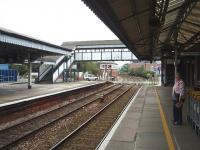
122 8
182 38
184 34
142 5
131 28
174 4
170 17
187 30
194 15
144 50
139 23
22 42
144 25
190 26
12 37
163 36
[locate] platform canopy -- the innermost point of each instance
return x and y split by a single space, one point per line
151 28
15 48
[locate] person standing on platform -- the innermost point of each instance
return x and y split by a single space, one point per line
178 93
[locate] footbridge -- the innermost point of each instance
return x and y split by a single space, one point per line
105 50
53 67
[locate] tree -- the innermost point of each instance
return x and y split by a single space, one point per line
140 72
124 68
21 69
90 67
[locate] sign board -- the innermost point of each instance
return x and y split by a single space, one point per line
190 53
74 66
108 66
171 61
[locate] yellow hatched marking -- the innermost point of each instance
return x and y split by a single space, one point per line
165 125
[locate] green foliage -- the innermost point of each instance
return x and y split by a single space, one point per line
124 69
141 72
22 69
90 67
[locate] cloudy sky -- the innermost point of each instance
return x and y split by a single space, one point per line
53 21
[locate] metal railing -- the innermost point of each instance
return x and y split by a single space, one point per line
43 70
62 67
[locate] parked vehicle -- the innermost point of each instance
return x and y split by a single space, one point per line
90 77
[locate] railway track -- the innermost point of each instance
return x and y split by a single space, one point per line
88 135
14 113
13 135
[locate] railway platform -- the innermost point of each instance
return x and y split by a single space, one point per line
10 94
146 124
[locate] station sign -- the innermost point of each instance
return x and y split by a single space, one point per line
108 66
74 67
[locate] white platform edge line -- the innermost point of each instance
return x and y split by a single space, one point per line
112 131
45 95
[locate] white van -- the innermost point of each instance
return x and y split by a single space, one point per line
90 77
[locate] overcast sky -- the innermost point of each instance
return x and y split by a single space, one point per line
53 21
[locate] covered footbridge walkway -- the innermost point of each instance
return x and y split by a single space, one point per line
101 50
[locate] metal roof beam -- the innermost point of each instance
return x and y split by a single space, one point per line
183 36
161 8
166 28
133 5
164 10
174 9
193 39
185 10
187 30
192 23
134 15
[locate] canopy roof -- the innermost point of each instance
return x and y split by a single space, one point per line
15 47
96 44
151 27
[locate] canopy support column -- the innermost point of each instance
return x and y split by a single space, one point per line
175 62
29 72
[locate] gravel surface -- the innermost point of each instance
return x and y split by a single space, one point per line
14 133
47 137
92 133
39 107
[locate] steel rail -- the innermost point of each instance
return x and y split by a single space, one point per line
59 144
6 146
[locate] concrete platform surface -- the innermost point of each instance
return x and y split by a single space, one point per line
10 93
140 126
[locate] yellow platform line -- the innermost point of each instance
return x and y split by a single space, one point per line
165 125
